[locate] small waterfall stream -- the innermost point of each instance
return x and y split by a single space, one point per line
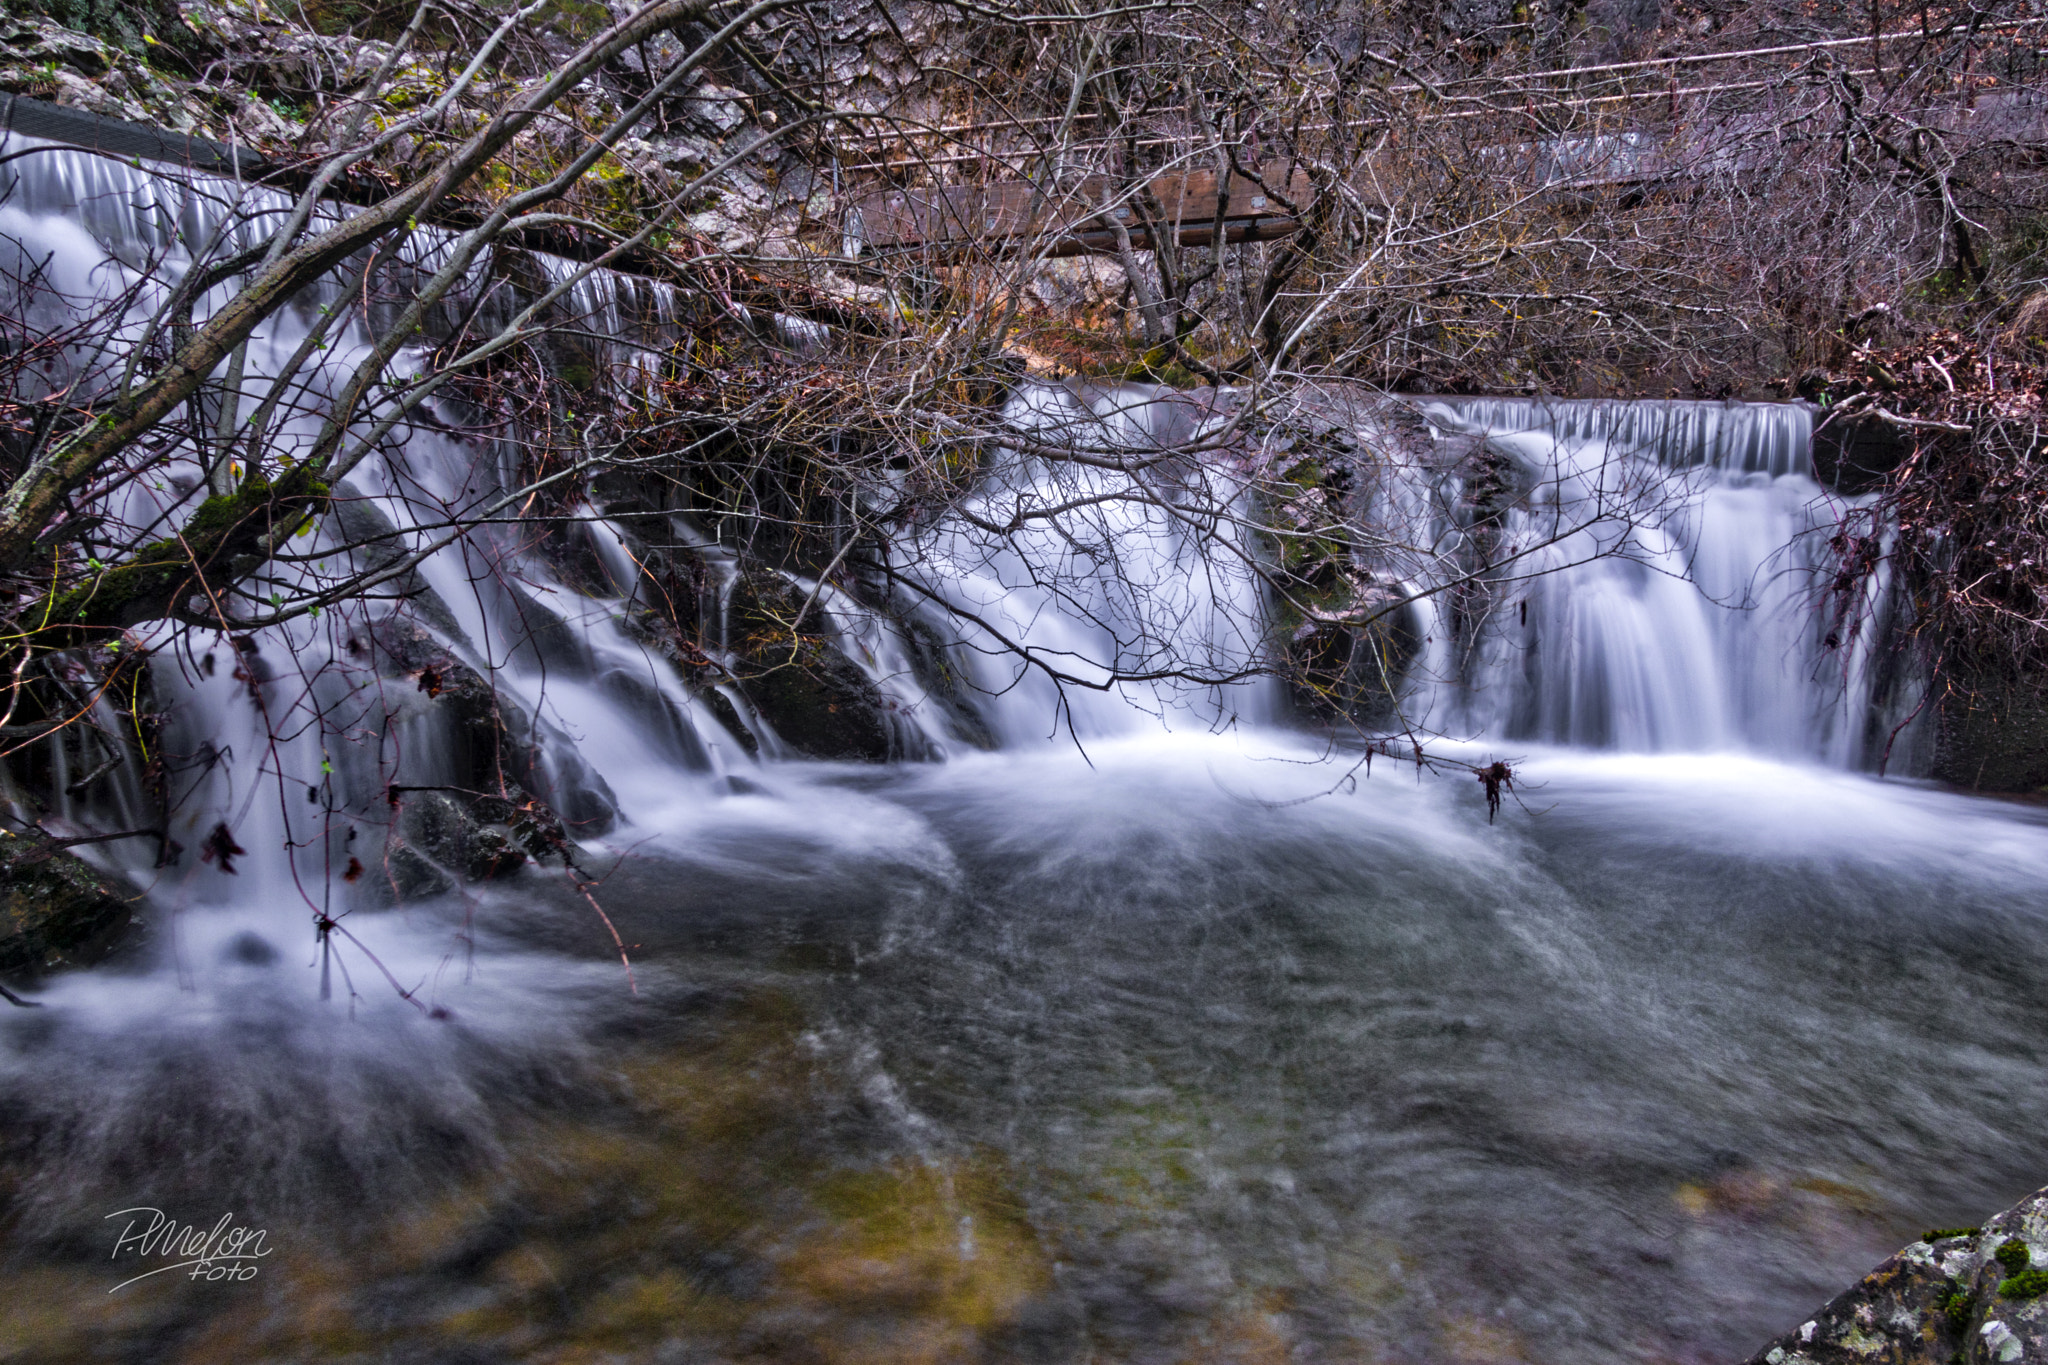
1690 622
1118 1021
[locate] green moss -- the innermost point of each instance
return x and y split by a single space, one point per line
2014 1255
160 567
133 26
2028 1284
1958 1305
1942 1234
53 907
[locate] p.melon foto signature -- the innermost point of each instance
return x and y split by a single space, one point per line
226 1252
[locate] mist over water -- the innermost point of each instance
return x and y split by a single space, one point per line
1159 1031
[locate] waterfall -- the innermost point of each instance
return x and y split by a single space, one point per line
1120 1009
1109 576
290 736
1669 590
1660 593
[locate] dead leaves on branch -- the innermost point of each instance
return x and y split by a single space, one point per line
1964 514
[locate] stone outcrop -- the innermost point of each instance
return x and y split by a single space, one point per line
817 700
55 909
1347 637
1992 735
486 823
1853 455
1959 1296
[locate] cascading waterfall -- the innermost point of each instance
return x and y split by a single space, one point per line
1668 593
1148 588
1666 604
557 655
1134 1022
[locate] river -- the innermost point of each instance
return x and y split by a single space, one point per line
1164 1030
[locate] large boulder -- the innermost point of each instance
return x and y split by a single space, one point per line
55 909
1853 455
818 700
1958 1296
1991 735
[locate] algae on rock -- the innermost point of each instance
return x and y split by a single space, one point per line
55 909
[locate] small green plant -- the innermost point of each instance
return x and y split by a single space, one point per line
2028 1284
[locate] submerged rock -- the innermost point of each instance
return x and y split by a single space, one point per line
1972 1296
54 908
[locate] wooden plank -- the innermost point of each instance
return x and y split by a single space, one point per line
1078 218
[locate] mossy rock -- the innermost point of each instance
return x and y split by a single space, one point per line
1958 1296
816 698
1339 673
54 908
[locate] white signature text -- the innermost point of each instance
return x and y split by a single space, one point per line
227 1251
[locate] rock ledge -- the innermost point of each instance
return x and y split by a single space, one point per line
1973 1296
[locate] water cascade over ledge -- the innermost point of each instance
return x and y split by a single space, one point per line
1118 1023
1694 622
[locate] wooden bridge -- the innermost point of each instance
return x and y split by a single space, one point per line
1090 217
1015 211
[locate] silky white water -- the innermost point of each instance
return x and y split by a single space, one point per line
1671 597
1252 1046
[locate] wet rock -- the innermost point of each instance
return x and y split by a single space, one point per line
1991 735
543 639
378 546
496 747
1352 669
573 551
1347 635
479 819
450 830
1852 456
947 685
444 838
730 718
406 874
54 908
816 698
1967 1295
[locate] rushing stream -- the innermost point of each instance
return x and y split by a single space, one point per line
1157 1032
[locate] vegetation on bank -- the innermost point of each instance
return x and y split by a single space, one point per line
1945 433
